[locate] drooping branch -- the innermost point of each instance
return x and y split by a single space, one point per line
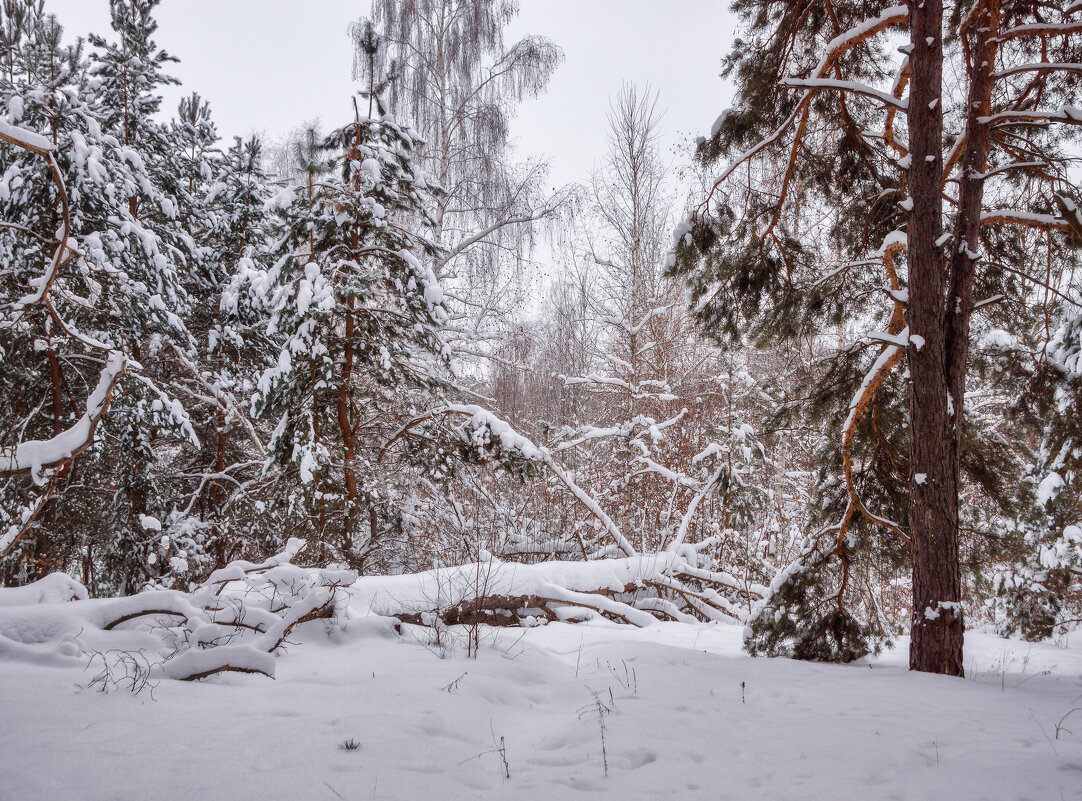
534 215
853 87
1068 115
25 139
1040 30
1042 222
237 619
895 15
224 403
11 537
39 145
1038 66
35 456
900 83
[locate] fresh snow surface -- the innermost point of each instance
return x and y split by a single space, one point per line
686 715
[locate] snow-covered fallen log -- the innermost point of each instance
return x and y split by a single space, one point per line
638 590
235 621
241 616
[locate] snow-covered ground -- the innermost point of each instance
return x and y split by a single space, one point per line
585 710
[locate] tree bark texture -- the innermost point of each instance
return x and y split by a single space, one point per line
937 631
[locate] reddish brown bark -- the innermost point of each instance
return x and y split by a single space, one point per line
322 524
966 244
937 630
56 383
345 398
346 429
219 457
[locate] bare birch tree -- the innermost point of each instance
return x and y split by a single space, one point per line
457 83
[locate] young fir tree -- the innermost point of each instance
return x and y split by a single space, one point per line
196 158
127 72
218 514
1042 590
861 197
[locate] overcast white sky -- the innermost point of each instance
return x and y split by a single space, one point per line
268 65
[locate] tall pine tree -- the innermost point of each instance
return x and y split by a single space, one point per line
862 198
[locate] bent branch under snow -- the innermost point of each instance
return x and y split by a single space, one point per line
232 623
639 591
36 456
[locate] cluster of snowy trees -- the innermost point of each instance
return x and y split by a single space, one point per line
842 400
201 360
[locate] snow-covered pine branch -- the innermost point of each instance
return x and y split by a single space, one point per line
847 86
37 456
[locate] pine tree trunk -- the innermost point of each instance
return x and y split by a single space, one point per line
219 458
318 474
936 645
47 556
345 428
216 488
345 389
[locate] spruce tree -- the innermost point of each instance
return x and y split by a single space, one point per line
217 513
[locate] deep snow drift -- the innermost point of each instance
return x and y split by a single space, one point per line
581 710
